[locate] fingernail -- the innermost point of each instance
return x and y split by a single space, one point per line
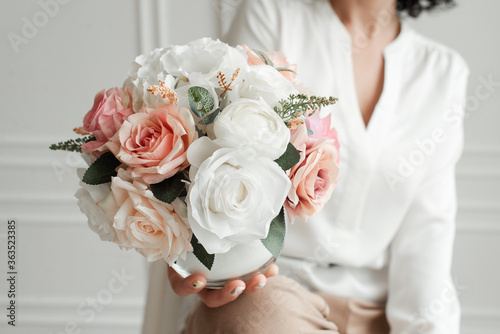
261 285
197 284
237 291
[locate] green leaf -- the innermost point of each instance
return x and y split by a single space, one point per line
310 132
276 236
289 158
102 169
201 253
201 101
210 118
279 69
169 189
200 133
183 192
264 57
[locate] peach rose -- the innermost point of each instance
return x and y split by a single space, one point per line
314 177
153 142
155 229
110 109
279 61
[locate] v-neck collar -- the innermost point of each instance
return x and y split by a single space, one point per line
362 144
344 38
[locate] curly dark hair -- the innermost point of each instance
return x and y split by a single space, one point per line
414 7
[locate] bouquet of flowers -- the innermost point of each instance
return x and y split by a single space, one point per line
204 148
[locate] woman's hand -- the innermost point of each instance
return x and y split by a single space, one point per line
217 297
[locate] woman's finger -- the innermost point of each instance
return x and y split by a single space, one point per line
219 297
186 286
256 283
273 270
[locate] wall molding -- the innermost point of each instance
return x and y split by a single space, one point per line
152 24
482 228
20 154
29 152
479 162
151 37
57 312
469 206
162 12
474 172
57 198
481 150
146 24
477 321
123 313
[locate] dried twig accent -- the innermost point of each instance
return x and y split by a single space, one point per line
222 81
164 92
295 123
79 130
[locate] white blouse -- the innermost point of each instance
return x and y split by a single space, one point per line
387 233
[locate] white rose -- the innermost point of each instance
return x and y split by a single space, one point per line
183 66
200 61
147 71
88 197
234 194
203 57
153 228
265 82
252 122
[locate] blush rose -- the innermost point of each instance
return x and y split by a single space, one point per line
279 61
153 142
110 109
314 177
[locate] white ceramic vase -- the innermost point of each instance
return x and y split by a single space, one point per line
240 262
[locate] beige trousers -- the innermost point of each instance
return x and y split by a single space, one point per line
283 306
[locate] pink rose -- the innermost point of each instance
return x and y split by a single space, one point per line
140 221
110 109
153 142
279 61
314 177
322 128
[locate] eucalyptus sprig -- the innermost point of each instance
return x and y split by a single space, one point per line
72 145
297 105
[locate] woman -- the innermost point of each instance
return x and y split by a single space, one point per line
378 257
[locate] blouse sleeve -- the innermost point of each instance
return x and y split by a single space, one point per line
256 24
422 297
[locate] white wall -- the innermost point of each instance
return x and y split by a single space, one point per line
48 85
